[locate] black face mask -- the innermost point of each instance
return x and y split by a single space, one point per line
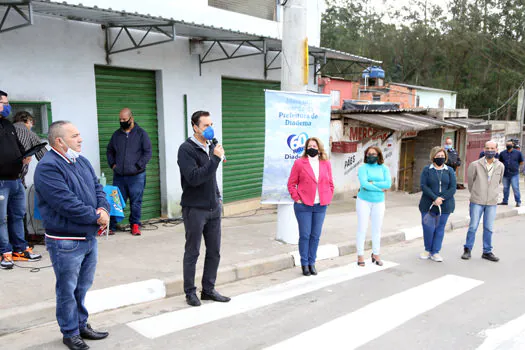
126 125
439 161
312 152
509 147
371 159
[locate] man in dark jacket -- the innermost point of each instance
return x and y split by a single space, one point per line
453 157
454 161
198 161
513 160
13 245
128 153
73 206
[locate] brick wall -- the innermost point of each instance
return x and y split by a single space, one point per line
425 141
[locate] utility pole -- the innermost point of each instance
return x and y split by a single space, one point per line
521 112
294 77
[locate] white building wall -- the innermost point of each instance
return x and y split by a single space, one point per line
430 99
54 60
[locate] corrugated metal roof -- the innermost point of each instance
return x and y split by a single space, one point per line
470 123
185 29
400 121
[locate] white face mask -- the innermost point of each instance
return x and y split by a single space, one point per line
71 154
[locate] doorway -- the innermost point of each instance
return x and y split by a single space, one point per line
406 165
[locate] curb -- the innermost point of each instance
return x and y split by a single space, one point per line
44 312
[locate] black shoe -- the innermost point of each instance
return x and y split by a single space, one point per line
518 205
75 343
490 256
503 203
91 334
376 261
192 300
306 270
215 296
466 254
312 269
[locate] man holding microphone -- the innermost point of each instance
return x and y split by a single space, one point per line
73 206
201 202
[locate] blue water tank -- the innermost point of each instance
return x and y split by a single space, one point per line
374 72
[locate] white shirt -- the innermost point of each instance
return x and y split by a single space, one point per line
314 163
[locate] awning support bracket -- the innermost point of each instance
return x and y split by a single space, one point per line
225 55
167 32
18 8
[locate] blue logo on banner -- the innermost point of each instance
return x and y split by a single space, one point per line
296 142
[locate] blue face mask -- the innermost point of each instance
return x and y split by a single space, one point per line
6 111
447 147
209 133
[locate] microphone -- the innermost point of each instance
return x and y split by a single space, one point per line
215 142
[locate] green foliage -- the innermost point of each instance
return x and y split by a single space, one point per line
474 47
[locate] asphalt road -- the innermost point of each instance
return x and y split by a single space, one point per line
407 304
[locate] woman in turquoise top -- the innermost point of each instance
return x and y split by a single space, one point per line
374 178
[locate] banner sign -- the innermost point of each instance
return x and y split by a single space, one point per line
291 118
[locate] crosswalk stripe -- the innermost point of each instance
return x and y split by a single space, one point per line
380 317
171 322
508 336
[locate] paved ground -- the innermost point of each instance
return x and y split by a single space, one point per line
409 304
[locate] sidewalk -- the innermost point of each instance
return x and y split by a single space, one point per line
249 249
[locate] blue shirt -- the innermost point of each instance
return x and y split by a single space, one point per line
512 161
380 177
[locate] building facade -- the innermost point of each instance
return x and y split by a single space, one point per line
83 64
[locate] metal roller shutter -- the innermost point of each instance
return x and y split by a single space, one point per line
243 125
118 88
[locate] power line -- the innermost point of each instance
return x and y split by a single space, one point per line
503 105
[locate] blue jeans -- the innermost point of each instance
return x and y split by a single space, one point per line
74 263
12 211
489 215
513 181
131 187
434 231
310 220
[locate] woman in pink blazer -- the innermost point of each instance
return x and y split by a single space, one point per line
312 188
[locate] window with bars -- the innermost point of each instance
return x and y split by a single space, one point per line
41 112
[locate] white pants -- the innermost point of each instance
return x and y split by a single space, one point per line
374 212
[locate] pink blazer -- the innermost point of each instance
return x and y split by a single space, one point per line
302 184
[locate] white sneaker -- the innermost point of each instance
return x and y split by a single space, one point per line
424 256
436 257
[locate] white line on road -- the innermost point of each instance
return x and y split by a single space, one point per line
380 317
511 335
168 323
125 294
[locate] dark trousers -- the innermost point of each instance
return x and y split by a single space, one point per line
131 187
74 263
200 223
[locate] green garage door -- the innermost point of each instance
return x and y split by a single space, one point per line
243 132
119 88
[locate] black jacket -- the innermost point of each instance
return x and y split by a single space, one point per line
198 176
453 159
130 152
11 151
